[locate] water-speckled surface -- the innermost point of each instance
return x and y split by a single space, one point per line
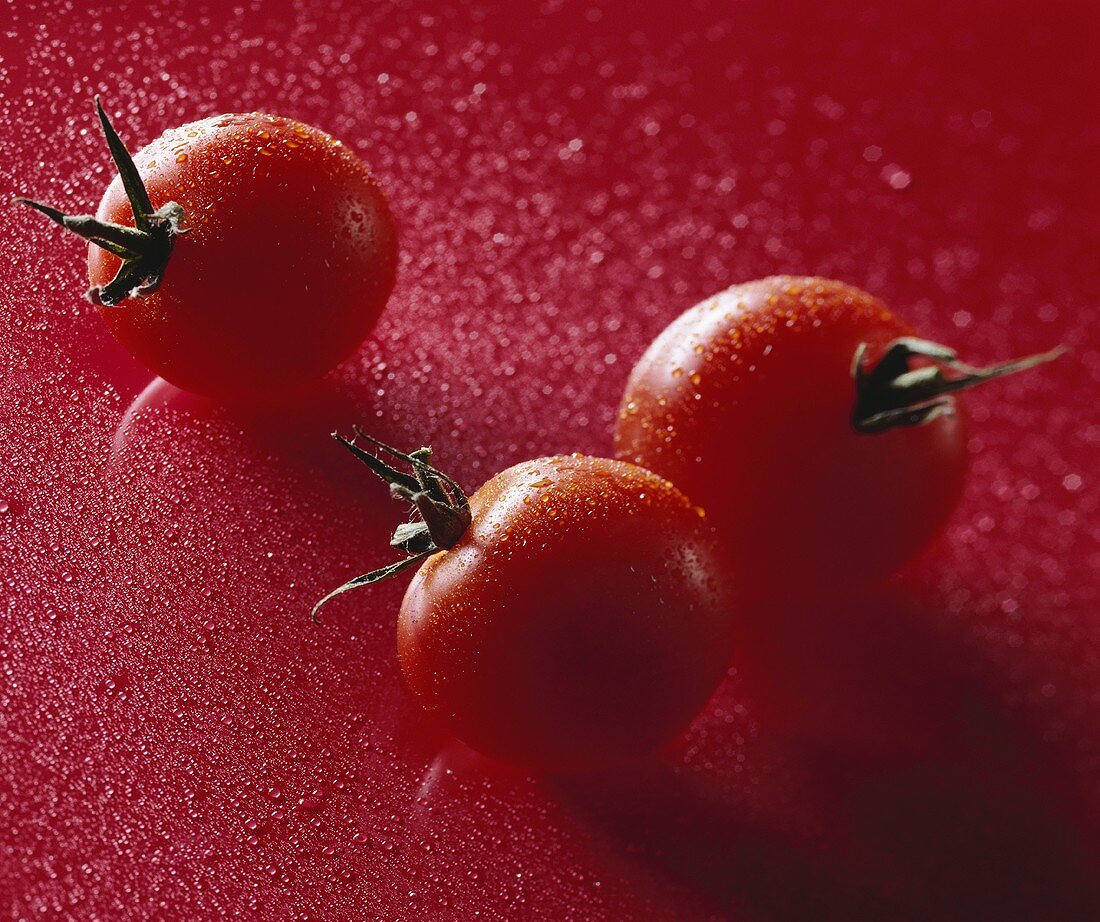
179 741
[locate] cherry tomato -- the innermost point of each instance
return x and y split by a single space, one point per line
820 435
574 615
242 253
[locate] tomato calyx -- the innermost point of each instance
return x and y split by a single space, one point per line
442 505
144 249
891 393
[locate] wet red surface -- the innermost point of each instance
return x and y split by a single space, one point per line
177 740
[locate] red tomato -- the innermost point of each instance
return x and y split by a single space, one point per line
578 619
267 254
747 403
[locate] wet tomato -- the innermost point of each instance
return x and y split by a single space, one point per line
571 614
238 254
820 434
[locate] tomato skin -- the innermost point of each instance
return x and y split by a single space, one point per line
745 403
289 257
582 620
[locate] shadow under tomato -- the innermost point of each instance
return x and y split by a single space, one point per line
457 769
295 428
930 798
231 458
196 484
928 842
227 523
892 783
870 674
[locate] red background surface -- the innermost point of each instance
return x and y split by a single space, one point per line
178 741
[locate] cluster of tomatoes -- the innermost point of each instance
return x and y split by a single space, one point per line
574 611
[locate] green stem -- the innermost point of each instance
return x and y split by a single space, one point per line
375 576
442 505
891 393
143 249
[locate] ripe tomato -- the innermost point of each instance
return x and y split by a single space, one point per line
747 403
261 254
570 614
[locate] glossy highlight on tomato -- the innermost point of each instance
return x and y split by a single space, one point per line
279 258
580 619
745 402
